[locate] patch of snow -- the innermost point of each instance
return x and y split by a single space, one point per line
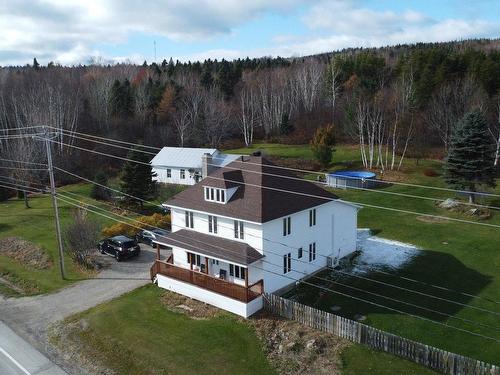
378 252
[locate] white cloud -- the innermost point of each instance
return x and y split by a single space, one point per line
66 31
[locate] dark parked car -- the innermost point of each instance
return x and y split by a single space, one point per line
120 247
147 236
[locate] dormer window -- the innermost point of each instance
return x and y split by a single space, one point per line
215 194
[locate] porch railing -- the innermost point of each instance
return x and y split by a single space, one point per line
202 280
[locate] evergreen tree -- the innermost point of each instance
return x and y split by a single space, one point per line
36 65
4 194
206 77
137 178
100 192
286 126
322 145
121 99
470 159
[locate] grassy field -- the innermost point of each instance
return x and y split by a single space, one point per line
36 225
458 256
137 334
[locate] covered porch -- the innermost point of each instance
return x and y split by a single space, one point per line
210 269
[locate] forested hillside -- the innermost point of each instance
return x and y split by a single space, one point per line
393 101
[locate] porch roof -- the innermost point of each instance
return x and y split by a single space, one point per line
212 246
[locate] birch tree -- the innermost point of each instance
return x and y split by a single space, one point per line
247 113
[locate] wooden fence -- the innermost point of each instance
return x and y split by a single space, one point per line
434 358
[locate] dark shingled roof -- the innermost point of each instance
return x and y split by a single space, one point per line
254 201
212 246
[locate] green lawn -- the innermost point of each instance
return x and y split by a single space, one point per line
456 255
136 334
36 224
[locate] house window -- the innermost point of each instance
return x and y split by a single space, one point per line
312 217
215 195
169 173
287 226
299 253
194 259
312 251
189 219
215 262
183 174
212 224
287 263
237 271
238 230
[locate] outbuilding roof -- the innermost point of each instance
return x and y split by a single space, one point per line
212 246
264 191
183 157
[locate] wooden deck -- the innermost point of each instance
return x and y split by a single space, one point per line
202 280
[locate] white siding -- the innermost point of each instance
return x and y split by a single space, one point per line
175 176
225 227
329 241
236 307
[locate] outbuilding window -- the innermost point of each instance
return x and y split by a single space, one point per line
169 173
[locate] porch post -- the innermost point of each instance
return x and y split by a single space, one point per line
206 265
158 251
246 285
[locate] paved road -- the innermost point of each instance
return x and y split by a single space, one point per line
31 316
17 357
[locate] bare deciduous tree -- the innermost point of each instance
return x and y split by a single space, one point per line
80 238
247 113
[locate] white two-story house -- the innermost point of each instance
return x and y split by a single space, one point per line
248 228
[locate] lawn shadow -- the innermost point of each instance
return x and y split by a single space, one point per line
429 267
5 227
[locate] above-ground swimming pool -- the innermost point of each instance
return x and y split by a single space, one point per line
351 179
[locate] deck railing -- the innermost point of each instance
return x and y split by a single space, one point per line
202 280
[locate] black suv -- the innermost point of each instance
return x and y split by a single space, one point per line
120 247
147 236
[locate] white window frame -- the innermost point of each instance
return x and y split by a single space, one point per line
287 226
212 224
169 173
287 263
312 252
239 229
215 195
238 272
189 219
182 174
312 217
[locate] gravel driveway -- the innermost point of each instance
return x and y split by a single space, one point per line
31 316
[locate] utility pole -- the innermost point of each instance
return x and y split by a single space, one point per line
54 204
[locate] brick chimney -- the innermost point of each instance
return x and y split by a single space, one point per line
206 167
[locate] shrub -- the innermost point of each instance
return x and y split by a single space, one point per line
100 192
143 222
80 238
430 172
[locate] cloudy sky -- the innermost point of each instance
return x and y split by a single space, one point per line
73 32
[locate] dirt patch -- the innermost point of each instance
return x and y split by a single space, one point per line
25 252
431 219
64 338
195 309
293 348
465 209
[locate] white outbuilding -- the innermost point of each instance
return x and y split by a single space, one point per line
186 165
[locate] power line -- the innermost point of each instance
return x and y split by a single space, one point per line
23 169
329 280
307 171
273 241
293 192
22 162
314 285
23 128
293 177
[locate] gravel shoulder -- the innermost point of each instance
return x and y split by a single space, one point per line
31 317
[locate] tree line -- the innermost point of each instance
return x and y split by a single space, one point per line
392 102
